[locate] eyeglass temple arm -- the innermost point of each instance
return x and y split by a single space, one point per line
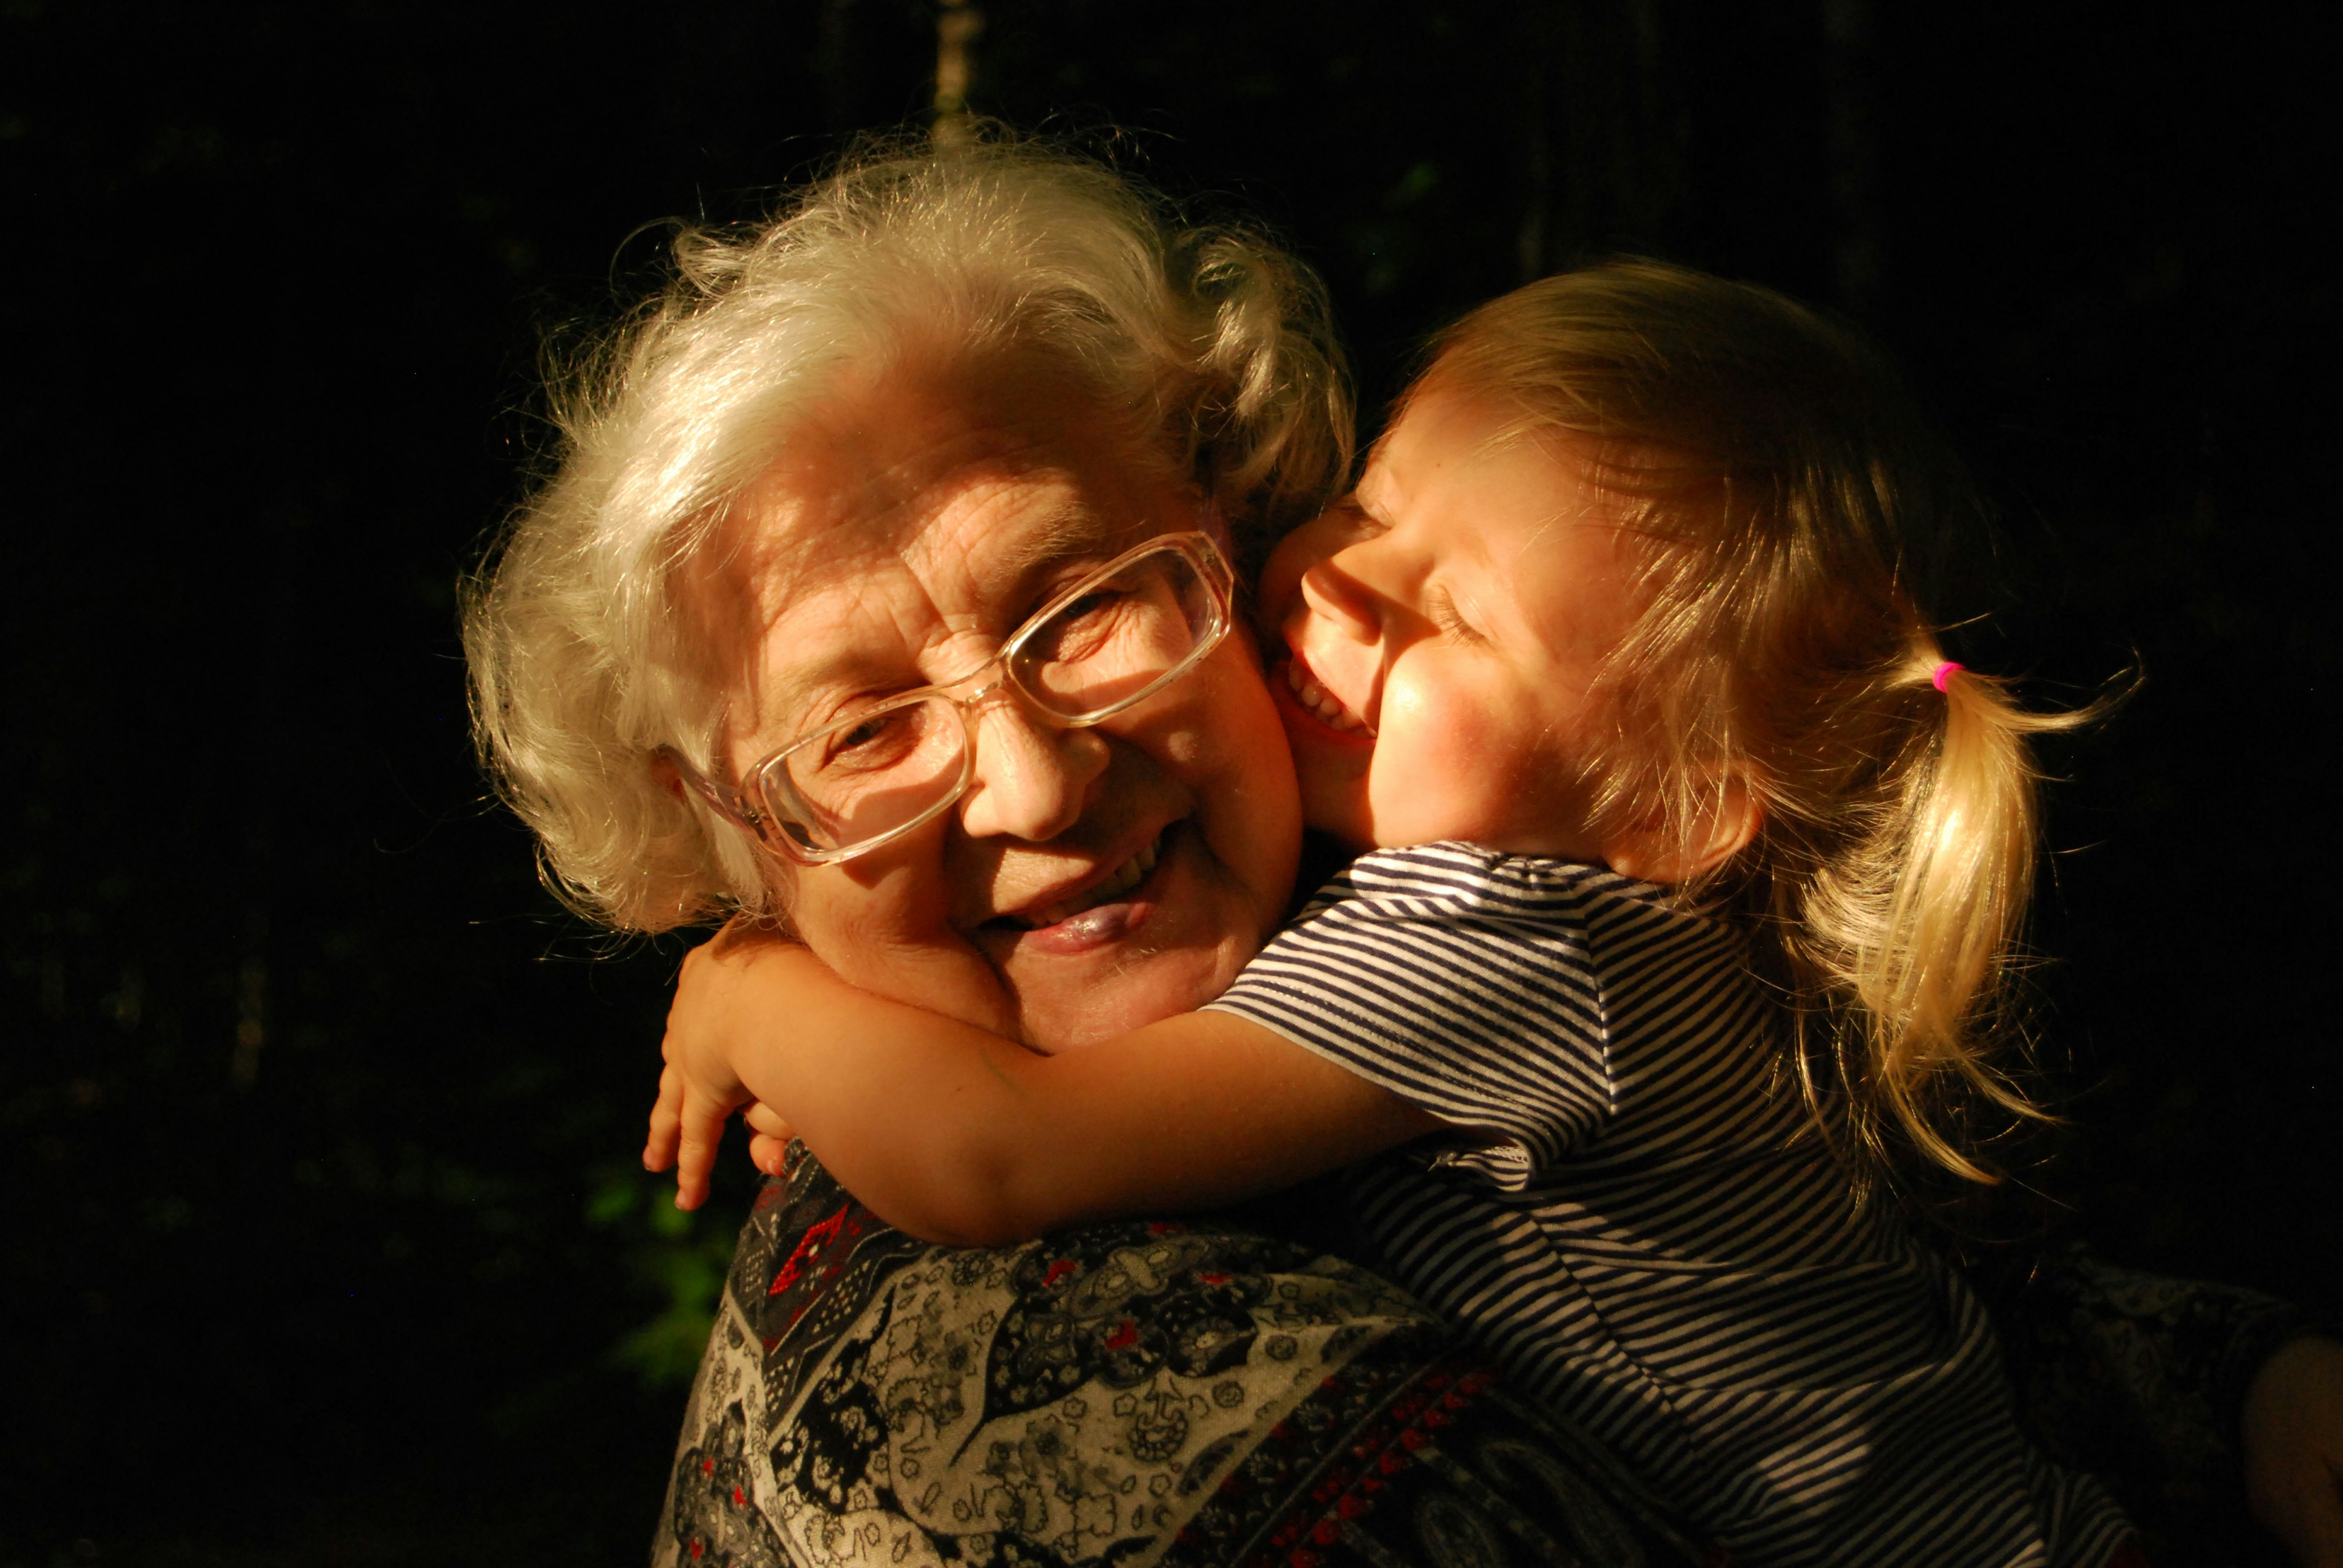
722 796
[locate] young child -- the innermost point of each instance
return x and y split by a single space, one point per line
1717 863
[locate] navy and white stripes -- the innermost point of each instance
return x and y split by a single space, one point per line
1636 1217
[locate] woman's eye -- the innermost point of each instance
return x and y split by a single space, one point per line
861 745
1080 626
1095 602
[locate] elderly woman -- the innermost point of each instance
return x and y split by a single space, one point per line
850 485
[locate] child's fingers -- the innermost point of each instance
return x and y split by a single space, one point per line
667 1121
763 1117
769 1136
695 1163
702 1130
686 1130
769 1154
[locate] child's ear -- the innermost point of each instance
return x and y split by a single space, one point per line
1724 830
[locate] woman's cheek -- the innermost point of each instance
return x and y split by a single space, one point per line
1251 804
882 922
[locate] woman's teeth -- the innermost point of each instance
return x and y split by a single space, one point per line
1127 876
1318 700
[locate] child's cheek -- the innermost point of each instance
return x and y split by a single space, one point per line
1443 769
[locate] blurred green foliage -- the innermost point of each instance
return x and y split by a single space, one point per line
679 1259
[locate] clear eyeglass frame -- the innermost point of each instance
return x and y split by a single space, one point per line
757 806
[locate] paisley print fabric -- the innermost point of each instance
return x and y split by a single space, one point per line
1183 1395
2144 1378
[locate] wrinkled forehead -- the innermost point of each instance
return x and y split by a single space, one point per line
904 525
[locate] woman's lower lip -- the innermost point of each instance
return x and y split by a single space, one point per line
1108 922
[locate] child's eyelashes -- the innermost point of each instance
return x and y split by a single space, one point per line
1441 605
1355 520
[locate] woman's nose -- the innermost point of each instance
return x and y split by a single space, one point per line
1033 778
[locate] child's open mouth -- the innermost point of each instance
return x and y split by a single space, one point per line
1320 703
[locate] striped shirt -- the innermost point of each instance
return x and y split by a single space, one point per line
1641 1227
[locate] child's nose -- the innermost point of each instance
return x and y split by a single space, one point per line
1336 596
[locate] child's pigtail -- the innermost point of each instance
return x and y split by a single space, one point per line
1956 839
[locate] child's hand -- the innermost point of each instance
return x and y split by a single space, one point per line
715 1016
768 1138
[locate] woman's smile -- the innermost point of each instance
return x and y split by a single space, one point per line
1122 879
1112 908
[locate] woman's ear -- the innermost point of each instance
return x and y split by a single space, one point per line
1652 854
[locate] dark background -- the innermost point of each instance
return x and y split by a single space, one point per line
321 1235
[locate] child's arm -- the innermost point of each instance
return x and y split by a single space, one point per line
957 1135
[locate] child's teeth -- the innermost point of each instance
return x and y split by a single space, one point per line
1318 700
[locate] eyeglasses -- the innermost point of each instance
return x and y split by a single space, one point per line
1105 645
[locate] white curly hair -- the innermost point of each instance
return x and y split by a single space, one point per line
1210 338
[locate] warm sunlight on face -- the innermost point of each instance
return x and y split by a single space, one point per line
1445 627
1091 879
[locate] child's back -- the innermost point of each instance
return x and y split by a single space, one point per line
1626 585
1654 1240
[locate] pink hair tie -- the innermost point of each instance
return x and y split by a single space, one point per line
1943 672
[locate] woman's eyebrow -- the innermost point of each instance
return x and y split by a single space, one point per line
785 703
1064 533
1075 538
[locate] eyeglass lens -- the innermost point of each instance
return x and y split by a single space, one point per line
1100 651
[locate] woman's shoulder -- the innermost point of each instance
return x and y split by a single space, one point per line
1190 1392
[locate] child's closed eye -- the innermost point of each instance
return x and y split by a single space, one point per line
1441 605
1353 520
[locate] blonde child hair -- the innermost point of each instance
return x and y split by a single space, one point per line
1779 481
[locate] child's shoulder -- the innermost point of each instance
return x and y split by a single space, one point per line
1454 872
